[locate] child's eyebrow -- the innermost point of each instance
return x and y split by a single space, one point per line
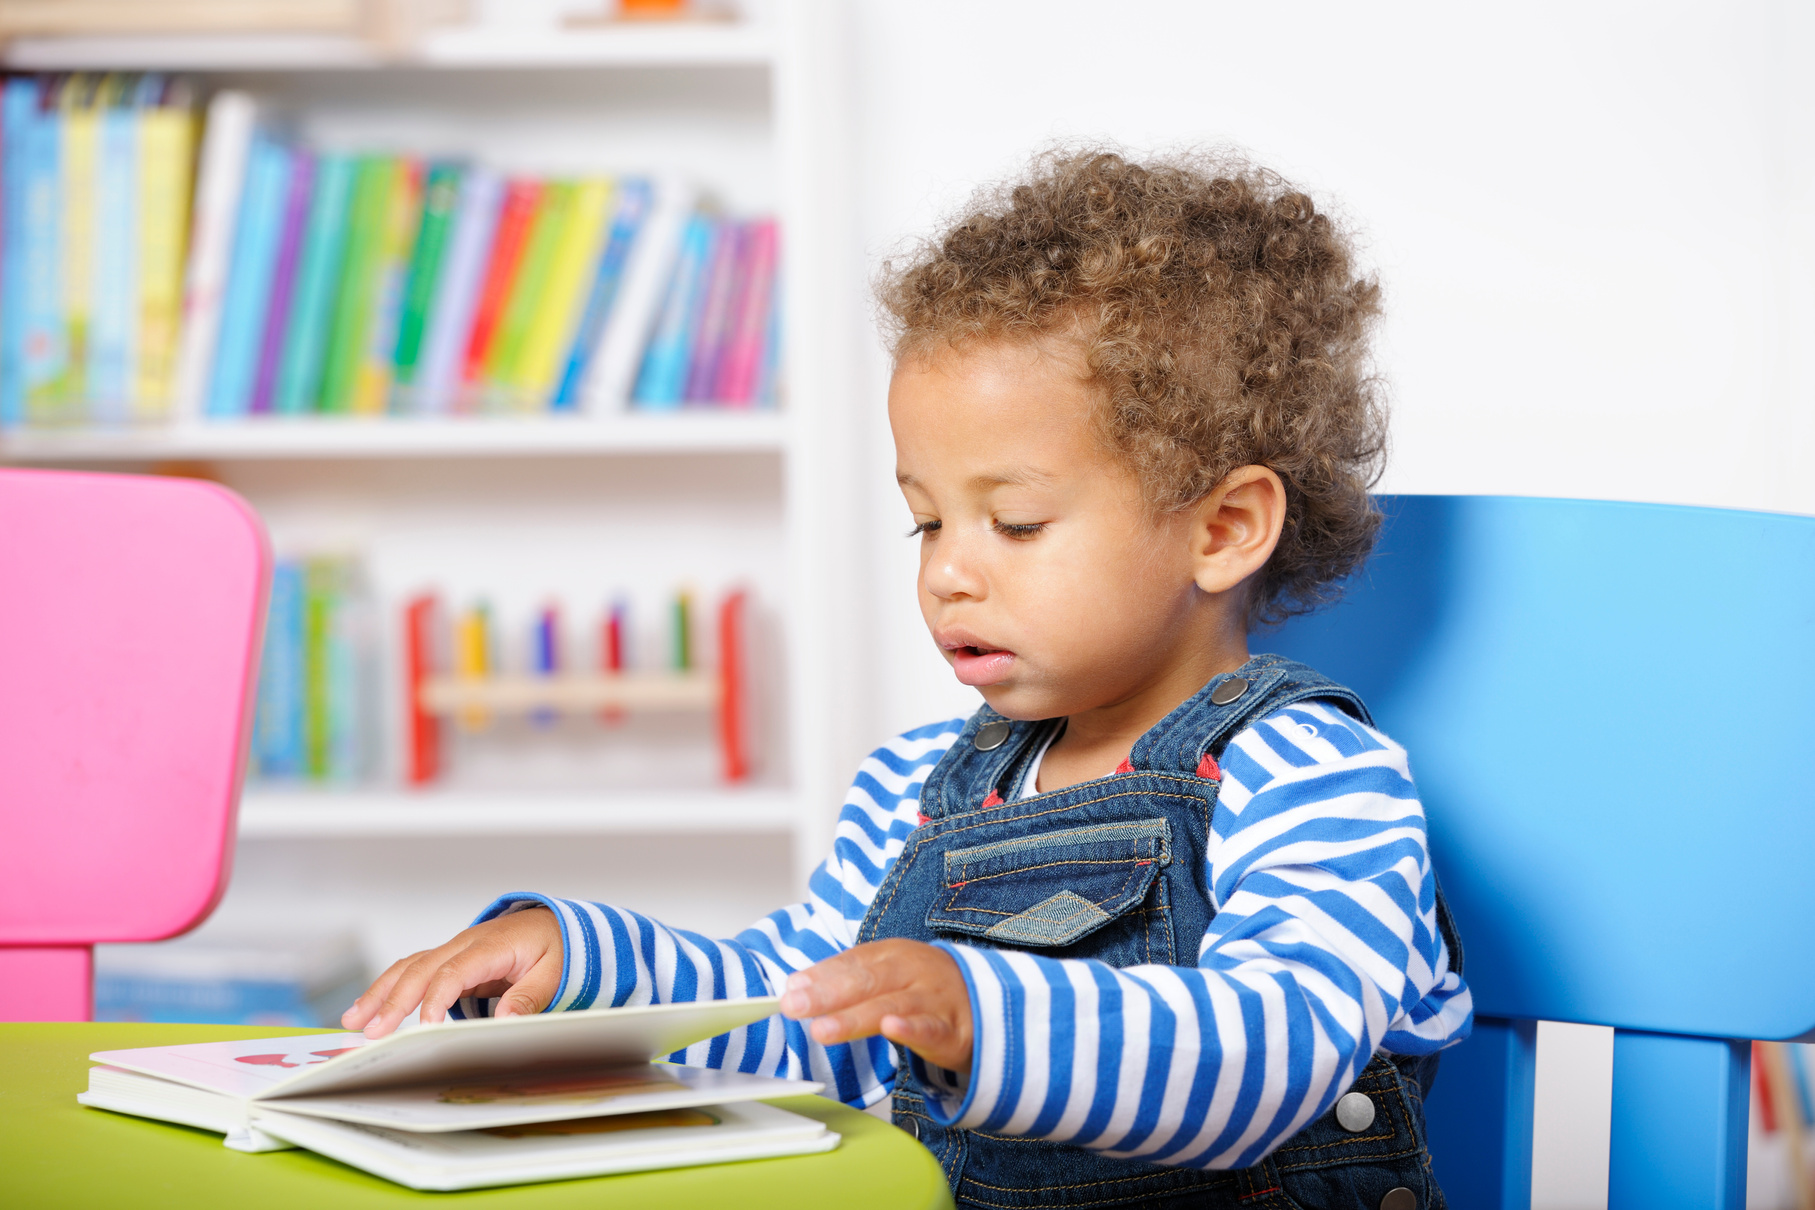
1023 476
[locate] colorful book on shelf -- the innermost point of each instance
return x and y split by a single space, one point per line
403 210
113 339
768 376
469 1104
283 281
451 316
167 138
18 113
557 313
219 183
80 119
263 201
630 208
662 381
503 366
712 326
42 351
649 267
740 365
277 735
428 253
522 198
317 286
367 231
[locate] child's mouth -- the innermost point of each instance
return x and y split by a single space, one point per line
979 666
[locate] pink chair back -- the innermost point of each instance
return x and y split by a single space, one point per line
131 610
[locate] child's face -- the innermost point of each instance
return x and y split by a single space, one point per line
1047 581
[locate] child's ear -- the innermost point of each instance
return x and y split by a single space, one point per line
1235 527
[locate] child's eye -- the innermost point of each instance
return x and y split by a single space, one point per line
1019 531
923 528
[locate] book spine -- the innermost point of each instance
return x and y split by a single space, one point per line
664 372
283 281
43 351
711 328
744 352
439 194
631 208
18 110
475 222
113 338
166 153
403 211
768 376
647 274
277 727
317 285
318 619
574 266
248 293
504 360
521 200
355 301
220 182
81 122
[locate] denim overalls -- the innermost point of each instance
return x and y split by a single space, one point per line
1114 869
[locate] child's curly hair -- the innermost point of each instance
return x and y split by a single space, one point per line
1218 310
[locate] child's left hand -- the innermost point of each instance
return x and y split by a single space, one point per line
908 991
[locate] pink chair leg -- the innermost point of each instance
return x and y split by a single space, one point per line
46 983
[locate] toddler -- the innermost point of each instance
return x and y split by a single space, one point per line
1157 925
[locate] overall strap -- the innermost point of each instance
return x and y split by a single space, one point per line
1205 722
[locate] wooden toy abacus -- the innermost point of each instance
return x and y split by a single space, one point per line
434 694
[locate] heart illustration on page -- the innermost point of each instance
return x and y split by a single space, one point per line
294 1058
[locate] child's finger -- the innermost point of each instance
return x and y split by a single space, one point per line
472 966
366 1006
534 991
934 1038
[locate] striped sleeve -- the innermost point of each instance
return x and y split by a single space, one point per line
613 956
1323 950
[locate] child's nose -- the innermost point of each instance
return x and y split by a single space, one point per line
950 574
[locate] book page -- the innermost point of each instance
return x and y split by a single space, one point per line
547 1096
243 1068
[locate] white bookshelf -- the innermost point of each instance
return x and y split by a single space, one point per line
522 508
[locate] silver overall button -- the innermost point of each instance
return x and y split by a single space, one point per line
1399 1199
1228 691
1355 1113
990 736
913 1125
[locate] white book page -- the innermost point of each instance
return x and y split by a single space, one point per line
549 1096
321 1063
553 1151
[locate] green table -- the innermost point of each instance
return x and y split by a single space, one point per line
54 1152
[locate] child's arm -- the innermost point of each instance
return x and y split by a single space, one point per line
1325 948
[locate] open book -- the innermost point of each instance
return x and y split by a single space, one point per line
474 1103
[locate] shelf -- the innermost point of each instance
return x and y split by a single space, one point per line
467 437
269 813
472 47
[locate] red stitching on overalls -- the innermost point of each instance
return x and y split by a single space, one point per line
1208 768
994 800
1127 766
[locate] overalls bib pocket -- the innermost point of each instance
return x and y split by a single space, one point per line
1052 889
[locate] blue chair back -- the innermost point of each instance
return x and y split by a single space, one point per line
1609 710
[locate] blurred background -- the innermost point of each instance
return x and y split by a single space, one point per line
1594 225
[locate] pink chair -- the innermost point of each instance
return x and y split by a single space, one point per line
130 618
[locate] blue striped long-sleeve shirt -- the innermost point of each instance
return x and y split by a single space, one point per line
1324 949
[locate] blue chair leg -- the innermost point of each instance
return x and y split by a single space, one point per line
1479 1117
1679 1122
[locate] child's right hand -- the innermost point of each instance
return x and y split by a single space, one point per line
516 957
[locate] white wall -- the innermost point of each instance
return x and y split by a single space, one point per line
1594 225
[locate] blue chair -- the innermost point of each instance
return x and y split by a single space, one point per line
1610 710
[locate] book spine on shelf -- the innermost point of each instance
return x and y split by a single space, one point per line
648 271
42 350
768 377
440 192
504 360
283 281
81 124
630 206
521 200
219 183
739 369
710 329
475 223
347 648
318 611
167 139
18 110
249 277
113 340
403 211
277 732
574 266
317 285
355 301
663 377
